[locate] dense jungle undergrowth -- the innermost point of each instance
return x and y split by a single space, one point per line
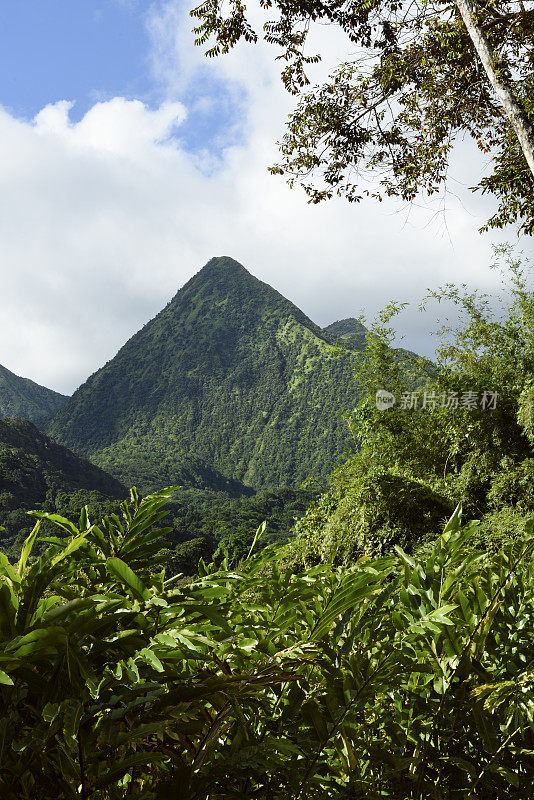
461 430
393 677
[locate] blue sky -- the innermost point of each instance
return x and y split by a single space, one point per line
84 52
72 49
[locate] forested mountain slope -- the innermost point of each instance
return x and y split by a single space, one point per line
21 397
38 473
349 332
229 373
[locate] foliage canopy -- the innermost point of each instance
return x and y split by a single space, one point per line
391 678
393 110
415 462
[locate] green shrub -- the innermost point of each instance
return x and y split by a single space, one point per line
514 486
394 677
366 512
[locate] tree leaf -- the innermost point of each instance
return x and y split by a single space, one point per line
5 679
123 574
27 548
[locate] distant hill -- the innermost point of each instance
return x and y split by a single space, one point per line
229 374
21 397
37 473
49 465
349 332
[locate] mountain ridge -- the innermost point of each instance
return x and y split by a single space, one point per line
22 435
229 372
22 397
38 473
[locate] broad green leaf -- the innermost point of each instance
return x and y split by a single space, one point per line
5 679
72 716
57 519
351 592
50 712
122 573
7 569
36 641
100 539
131 669
405 558
145 520
454 522
27 548
511 777
83 524
8 609
72 546
151 659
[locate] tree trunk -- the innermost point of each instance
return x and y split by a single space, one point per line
515 113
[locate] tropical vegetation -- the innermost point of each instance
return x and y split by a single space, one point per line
373 638
443 441
392 677
358 657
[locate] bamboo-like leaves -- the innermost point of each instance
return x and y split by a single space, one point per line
27 548
262 683
122 573
352 591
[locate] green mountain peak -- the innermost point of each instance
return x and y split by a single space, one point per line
350 332
223 265
229 374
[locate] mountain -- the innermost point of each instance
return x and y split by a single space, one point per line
229 374
20 397
38 464
38 473
348 332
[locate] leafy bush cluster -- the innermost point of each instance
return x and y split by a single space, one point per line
393 677
415 463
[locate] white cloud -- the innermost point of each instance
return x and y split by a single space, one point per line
105 218
119 127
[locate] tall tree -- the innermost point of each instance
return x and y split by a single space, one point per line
425 73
